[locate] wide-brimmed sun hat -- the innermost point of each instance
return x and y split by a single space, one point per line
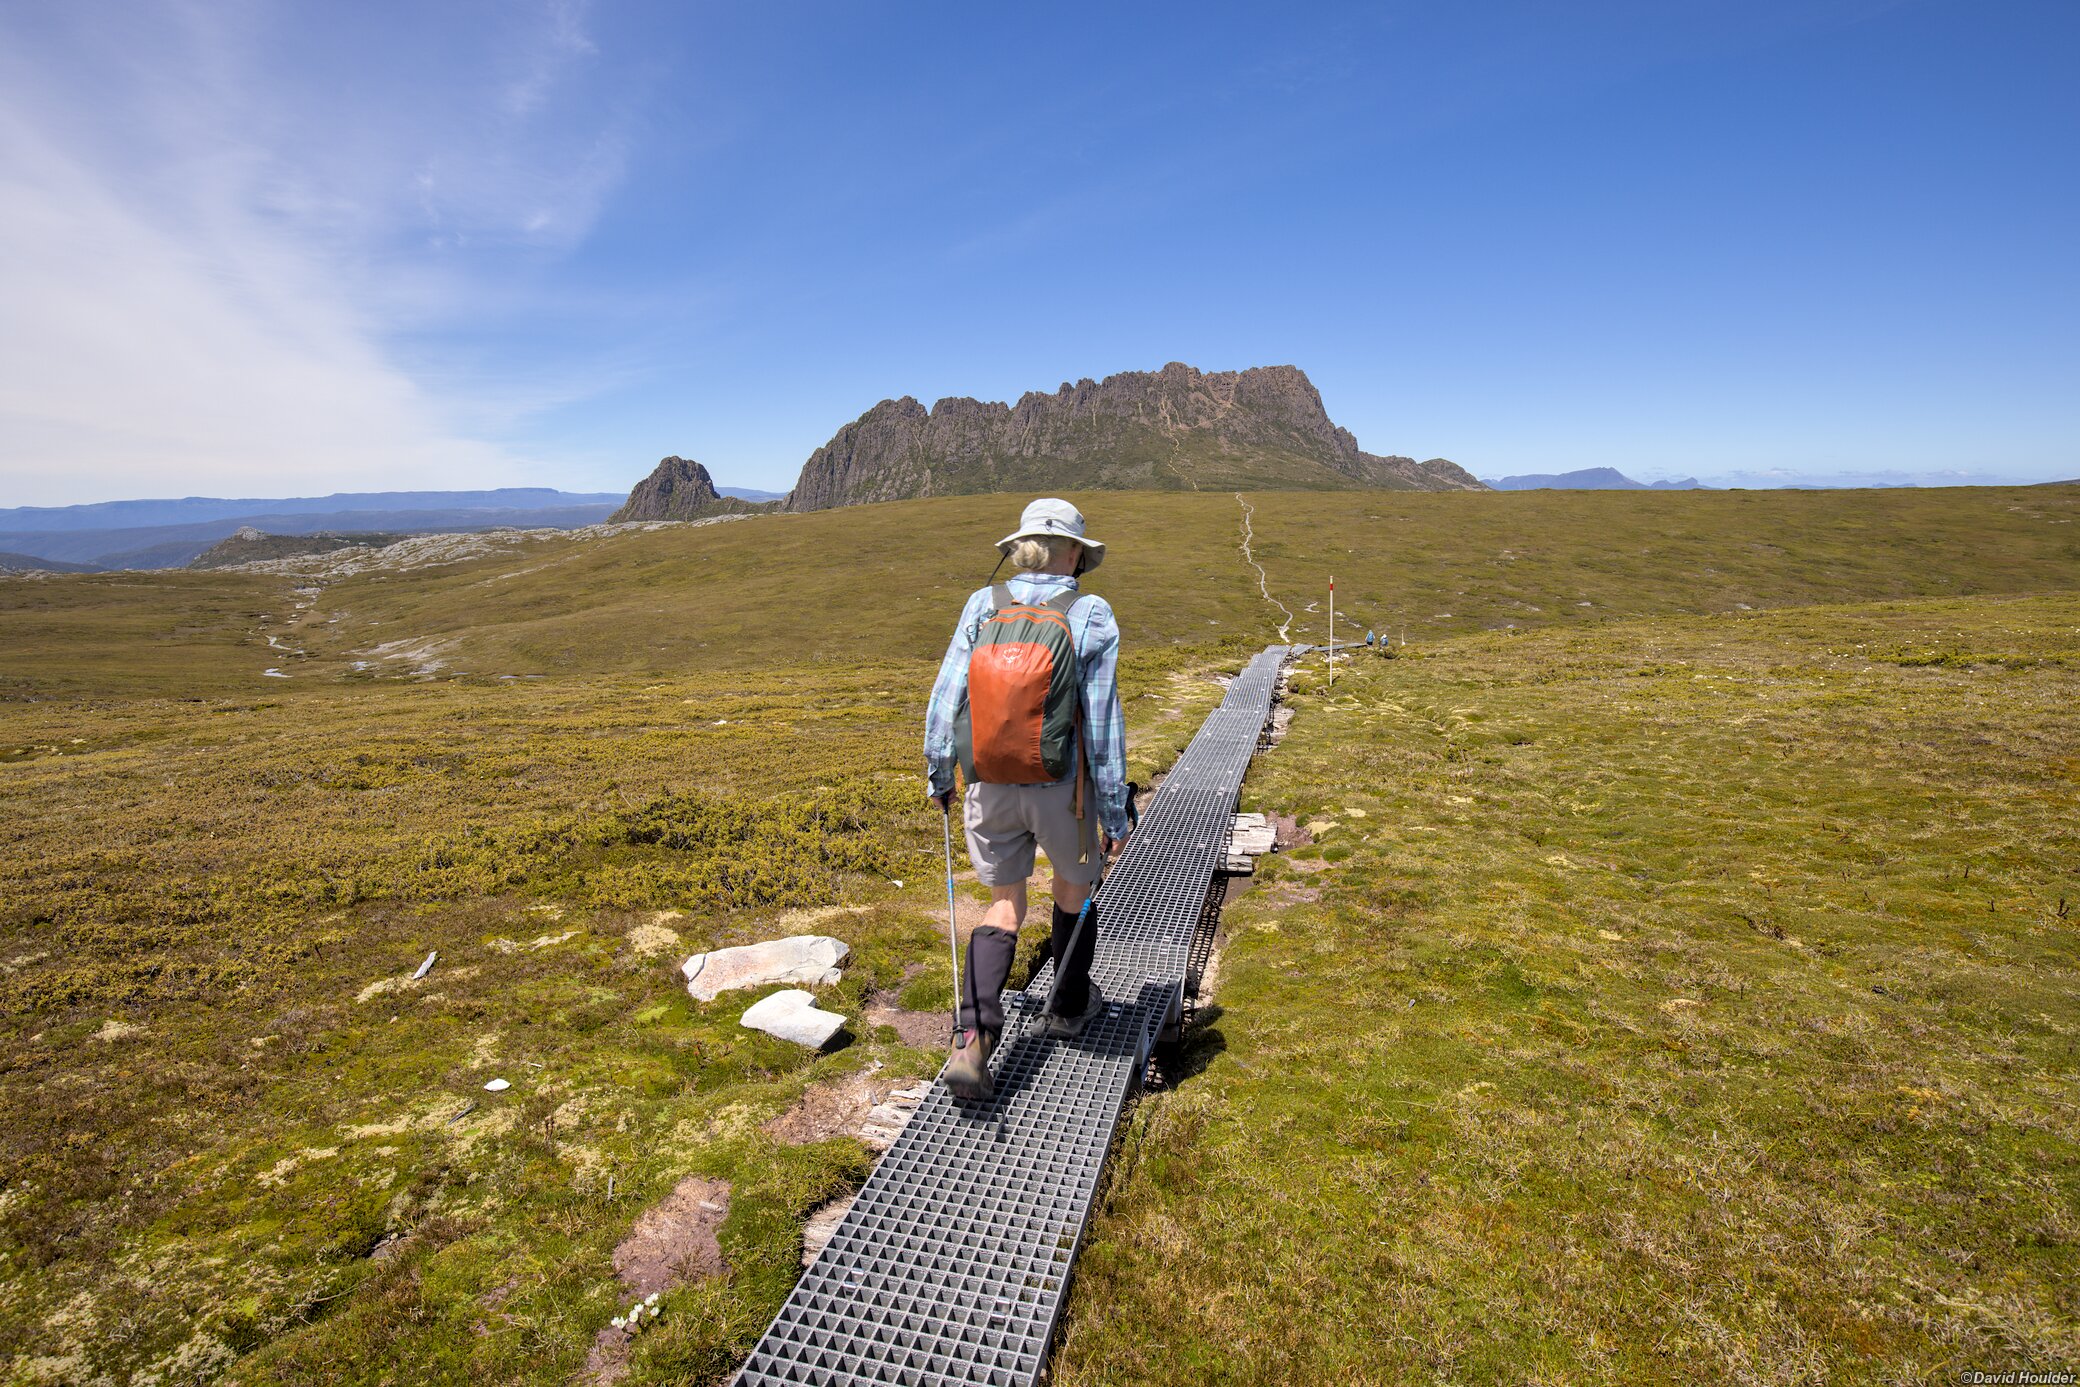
1049 518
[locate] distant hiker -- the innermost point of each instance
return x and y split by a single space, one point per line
1027 705
1368 638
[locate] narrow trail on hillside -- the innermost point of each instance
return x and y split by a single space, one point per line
1263 583
1176 432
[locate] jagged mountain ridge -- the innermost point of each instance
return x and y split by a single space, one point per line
1174 429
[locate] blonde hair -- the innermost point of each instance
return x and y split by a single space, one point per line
1032 554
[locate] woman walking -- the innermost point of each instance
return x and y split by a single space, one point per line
1027 707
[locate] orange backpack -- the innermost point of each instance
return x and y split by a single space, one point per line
1021 721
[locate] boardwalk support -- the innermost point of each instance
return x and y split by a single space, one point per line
953 1264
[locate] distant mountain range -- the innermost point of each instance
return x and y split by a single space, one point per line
30 563
1176 429
1590 479
170 533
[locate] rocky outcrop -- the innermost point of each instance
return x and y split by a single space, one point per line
248 545
679 489
1173 429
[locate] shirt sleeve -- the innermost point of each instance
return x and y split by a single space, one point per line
949 691
1105 725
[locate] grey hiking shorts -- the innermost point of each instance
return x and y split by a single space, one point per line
1006 823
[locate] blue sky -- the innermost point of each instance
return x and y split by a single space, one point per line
273 248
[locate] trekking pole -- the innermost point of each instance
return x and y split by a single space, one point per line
953 944
1076 933
1075 938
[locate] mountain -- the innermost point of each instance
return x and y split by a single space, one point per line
170 546
679 489
249 545
1591 479
191 510
29 563
1175 429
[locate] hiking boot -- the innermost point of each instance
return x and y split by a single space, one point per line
1069 1027
967 1073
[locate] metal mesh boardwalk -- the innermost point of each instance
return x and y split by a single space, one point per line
952 1265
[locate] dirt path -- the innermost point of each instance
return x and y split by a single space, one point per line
1263 583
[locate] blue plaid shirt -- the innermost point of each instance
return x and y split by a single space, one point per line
1097 650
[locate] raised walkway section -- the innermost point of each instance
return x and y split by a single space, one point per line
954 1261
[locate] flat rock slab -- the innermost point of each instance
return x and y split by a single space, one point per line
811 959
794 1015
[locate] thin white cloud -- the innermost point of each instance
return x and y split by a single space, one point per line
205 252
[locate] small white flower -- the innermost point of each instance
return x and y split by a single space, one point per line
619 1323
651 1300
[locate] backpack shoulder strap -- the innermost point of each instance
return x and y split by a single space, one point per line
1000 597
1061 602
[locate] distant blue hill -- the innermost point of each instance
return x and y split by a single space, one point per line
135 534
1590 479
18 563
190 510
745 493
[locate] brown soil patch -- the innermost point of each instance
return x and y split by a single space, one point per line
829 1110
674 1240
606 1362
923 1029
672 1243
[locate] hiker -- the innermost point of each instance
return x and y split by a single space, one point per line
1027 705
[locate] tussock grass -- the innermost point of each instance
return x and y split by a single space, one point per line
1686 999
233 1137
220 1092
778 590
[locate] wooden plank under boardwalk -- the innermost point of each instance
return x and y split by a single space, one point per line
952 1265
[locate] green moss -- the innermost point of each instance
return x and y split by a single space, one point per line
1716 1030
1513 1155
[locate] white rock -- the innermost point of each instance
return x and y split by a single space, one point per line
497 1086
811 959
793 1015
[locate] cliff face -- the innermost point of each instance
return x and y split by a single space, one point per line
678 489
1176 429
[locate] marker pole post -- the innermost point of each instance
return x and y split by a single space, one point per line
1332 629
